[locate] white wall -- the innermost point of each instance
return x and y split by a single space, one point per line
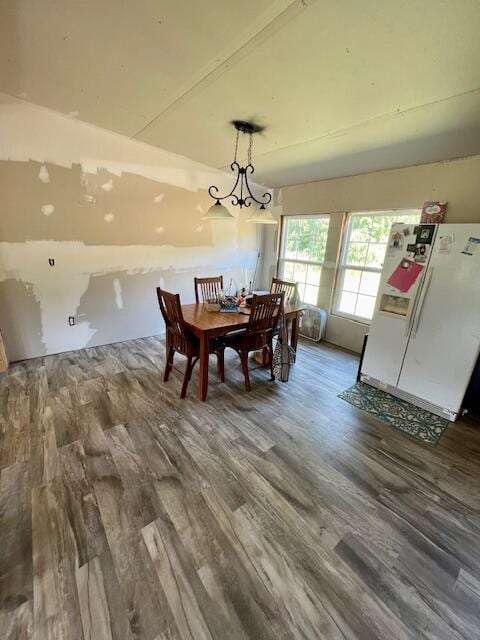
456 181
144 230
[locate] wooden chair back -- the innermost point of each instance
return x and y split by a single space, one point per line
265 312
283 286
171 309
209 288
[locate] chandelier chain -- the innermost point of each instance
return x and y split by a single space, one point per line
236 147
250 145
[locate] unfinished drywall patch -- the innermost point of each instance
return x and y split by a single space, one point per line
43 174
109 217
20 319
137 313
47 209
117 287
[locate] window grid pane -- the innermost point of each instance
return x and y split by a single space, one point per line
363 256
303 253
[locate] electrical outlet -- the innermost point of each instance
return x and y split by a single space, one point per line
71 321
51 262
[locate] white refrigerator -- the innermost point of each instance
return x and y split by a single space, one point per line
424 338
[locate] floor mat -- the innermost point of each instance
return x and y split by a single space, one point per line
420 424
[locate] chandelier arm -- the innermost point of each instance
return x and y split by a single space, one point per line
235 200
213 190
251 198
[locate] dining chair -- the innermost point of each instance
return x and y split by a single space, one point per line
283 286
209 288
258 335
290 291
180 340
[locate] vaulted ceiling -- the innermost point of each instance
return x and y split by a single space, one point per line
343 87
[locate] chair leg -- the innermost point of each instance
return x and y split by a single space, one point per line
265 356
169 363
270 353
221 364
192 367
187 376
244 361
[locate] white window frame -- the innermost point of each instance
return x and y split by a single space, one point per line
343 265
281 253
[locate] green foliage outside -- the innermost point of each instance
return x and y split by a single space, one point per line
369 237
306 239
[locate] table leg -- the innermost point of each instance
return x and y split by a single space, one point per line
294 333
204 358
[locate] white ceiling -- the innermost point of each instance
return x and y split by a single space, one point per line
343 87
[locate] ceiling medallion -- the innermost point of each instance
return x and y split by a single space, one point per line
241 194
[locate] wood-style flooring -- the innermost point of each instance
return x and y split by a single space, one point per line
127 513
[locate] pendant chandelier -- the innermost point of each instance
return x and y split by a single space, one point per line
241 194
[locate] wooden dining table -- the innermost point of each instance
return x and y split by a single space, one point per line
211 324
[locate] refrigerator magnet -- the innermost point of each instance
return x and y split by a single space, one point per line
396 241
421 252
445 244
472 246
405 275
425 234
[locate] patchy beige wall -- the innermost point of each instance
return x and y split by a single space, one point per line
456 181
118 218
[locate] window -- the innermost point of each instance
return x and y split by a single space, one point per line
365 243
302 253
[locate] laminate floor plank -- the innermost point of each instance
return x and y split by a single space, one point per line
214 468
127 513
395 592
81 505
248 608
16 572
143 602
278 514
17 624
56 610
354 609
180 583
102 606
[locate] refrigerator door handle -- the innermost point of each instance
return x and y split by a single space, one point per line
411 311
418 313
409 318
